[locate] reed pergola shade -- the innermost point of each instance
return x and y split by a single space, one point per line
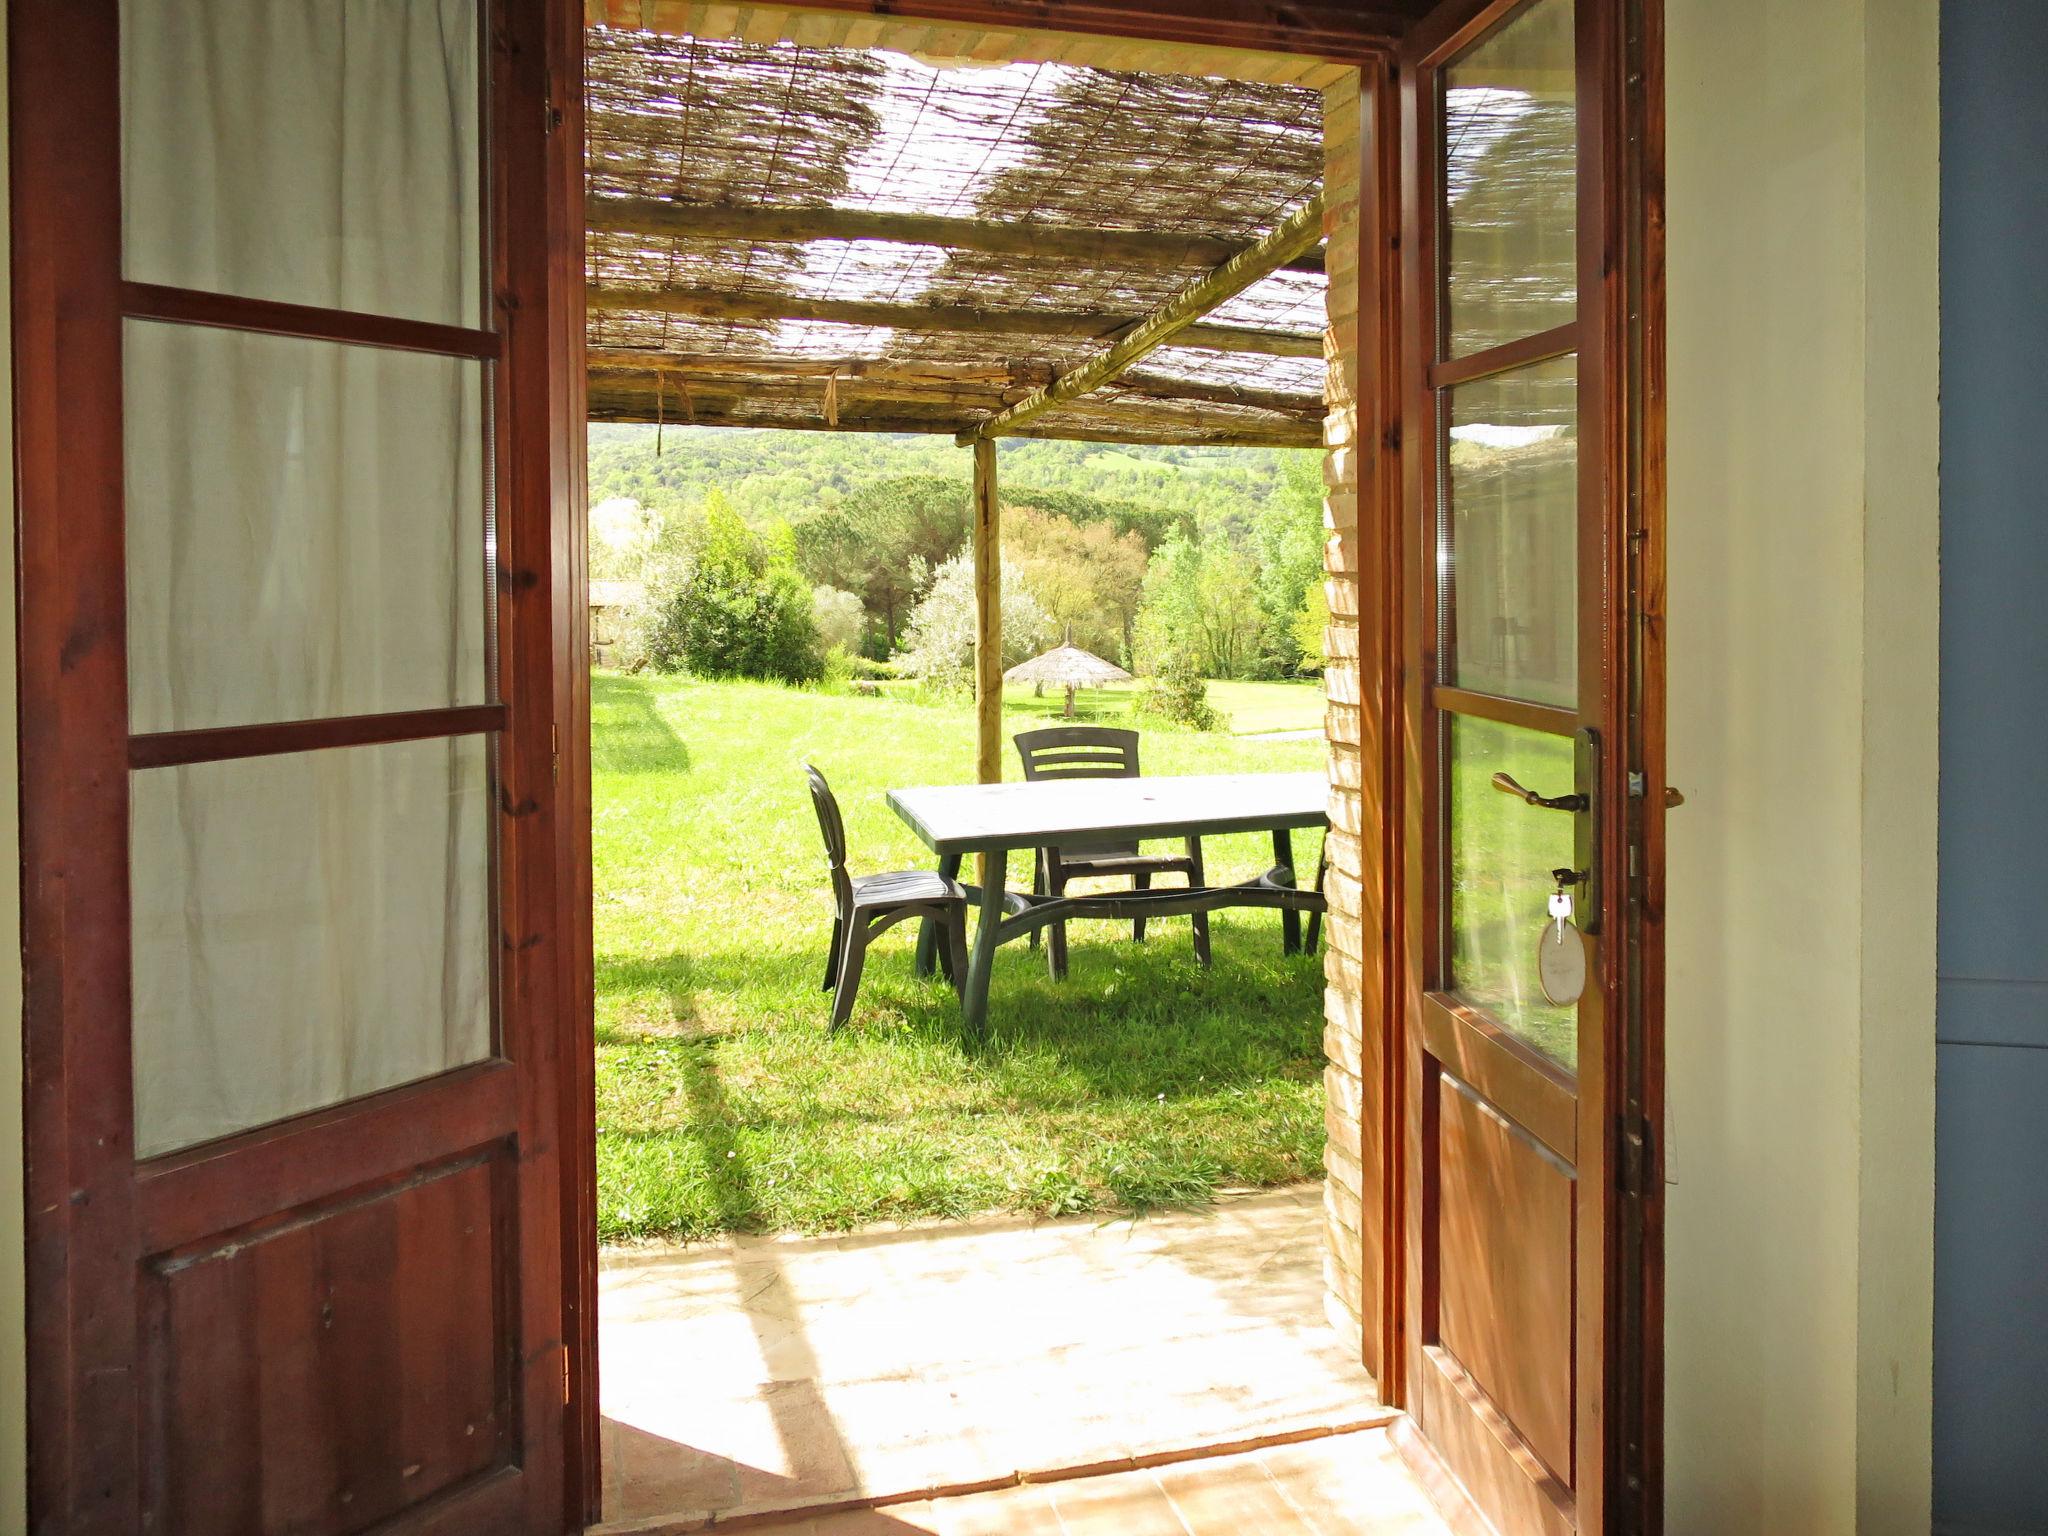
792 234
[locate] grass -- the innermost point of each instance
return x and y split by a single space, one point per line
723 1105
1248 709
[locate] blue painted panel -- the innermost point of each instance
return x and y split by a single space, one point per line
1991 1169
1994 490
1991 1290
1972 1011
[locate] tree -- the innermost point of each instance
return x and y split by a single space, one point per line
1310 624
742 609
1287 536
940 637
881 537
1201 604
1088 577
840 618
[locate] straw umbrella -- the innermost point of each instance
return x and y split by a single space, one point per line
1068 667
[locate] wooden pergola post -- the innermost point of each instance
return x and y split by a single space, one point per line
988 617
988 628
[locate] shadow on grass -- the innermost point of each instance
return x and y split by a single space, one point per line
628 733
1130 1022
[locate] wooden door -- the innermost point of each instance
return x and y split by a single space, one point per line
1521 743
296 851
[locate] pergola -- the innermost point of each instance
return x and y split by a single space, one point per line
843 224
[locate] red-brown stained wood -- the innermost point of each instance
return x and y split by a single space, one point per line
63 66
561 290
226 311
1325 28
1479 1434
1639 1350
164 749
379 1304
325 1372
1504 1307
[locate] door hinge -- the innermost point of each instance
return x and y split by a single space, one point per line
555 753
565 1376
1636 1157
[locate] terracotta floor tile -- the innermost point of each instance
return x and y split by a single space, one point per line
1128 1504
1021 1511
902 1360
1352 1485
1345 1485
1225 1498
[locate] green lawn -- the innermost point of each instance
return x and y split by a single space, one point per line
1248 709
723 1105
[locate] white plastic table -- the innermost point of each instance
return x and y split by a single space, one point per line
954 820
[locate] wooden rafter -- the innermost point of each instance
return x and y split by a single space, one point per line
1188 429
716 305
657 218
1000 373
964 396
1173 320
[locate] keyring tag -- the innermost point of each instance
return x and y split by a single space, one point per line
1561 953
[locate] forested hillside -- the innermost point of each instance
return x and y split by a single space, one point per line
1142 554
788 474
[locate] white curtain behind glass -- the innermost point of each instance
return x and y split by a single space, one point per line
317 152
305 529
307 928
305 538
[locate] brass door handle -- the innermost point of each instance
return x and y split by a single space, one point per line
1505 783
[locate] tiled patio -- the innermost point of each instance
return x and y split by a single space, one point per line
792 1373
1346 1485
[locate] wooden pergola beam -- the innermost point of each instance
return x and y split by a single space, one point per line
674 393
1193 432
1171 321
707 304
657 218
719 365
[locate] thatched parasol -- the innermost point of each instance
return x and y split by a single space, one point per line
1068 667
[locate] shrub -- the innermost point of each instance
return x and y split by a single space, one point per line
1179 694
740 610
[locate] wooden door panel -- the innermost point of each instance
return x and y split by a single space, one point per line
1487 1454
346 1320
1504 1251
1531 1093
326 1371
1513 508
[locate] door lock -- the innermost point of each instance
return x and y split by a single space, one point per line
1584 876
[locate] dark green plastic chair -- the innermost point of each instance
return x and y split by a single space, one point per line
866 906
1099 752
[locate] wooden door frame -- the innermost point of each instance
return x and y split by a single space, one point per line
75 1218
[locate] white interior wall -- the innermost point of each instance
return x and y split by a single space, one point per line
1803 198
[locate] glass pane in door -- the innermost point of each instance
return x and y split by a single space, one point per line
1511 492
307 529
321 152
308 928
1511 181
1502 852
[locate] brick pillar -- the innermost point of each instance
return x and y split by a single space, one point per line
1346 1265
